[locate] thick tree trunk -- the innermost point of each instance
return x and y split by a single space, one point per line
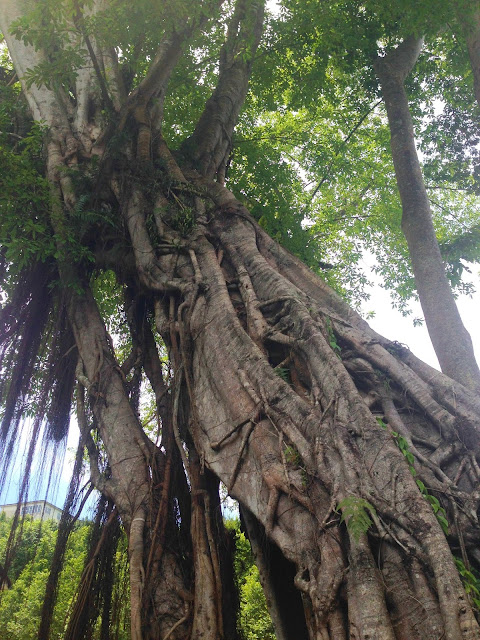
248 426
335 441
293 451
450 339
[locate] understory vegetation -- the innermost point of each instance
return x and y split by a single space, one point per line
21 603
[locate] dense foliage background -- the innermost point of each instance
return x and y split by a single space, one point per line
20 606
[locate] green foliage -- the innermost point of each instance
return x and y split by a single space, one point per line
32 535
461 249
471 583
182 219
25 232
402 444
292 456
434 502
311 156
283 373
243 557
20 606
57 26
356 514
332 339
254 622
264 176
109 297
254 619
331 143
49 24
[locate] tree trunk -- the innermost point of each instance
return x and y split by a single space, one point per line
450 339
291 452
337 442
294 452
468 15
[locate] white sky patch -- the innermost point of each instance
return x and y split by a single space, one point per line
273 6
38 483
391 324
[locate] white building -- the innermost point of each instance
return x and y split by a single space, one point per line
38 509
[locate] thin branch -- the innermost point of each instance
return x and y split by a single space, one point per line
13 135
342 146
80 24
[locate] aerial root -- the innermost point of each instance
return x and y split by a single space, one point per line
404 377
88 575
283 300
159 529
238 425
257 326
322 585
395 422
366 595
179 622
214 556
98 479
238 463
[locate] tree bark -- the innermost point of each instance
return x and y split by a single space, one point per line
450 339
468 15
338 460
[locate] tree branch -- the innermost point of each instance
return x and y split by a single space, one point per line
342 145
44 103
166 57
400 61
209 145
154 83
80 24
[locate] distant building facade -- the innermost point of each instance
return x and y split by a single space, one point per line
38 509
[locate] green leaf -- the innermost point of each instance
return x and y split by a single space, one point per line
355 513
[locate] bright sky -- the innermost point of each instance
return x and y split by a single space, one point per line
391 324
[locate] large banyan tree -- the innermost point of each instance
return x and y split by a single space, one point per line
356 465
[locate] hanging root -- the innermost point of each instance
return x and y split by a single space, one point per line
179 622
97 574
137 572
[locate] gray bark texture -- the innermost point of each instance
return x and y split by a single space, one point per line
468 14
450 339
339 516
